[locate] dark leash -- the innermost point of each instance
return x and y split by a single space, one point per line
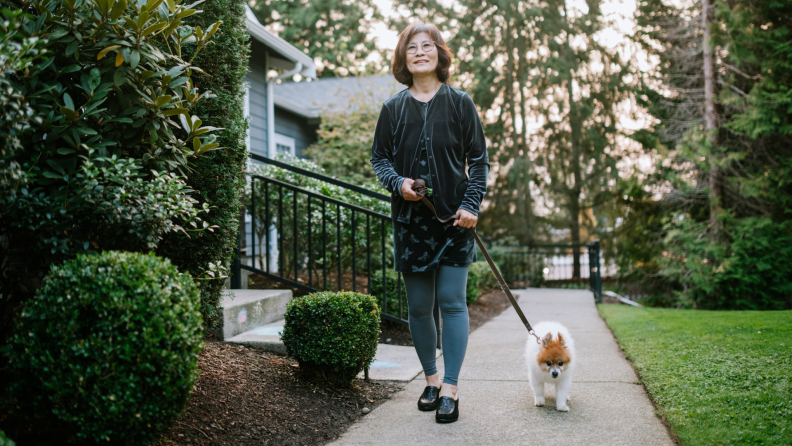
419 187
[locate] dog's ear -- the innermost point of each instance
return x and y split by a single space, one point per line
546 340
561 340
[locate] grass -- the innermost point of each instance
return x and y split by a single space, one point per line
719 377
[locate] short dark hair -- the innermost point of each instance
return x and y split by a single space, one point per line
399 63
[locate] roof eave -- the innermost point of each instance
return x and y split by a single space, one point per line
282 48
295 108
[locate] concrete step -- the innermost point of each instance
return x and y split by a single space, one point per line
266 337
392 362
245 310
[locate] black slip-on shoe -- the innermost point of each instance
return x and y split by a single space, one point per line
429 399
447 410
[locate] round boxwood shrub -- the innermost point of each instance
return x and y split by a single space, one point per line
109 347
333 335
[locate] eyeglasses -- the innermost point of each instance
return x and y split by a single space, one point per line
426 46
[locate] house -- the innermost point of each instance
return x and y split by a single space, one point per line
284 116
300 105
268 52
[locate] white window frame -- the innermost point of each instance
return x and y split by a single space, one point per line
287 141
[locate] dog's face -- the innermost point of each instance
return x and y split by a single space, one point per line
553 357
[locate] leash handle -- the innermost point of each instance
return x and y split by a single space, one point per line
419 187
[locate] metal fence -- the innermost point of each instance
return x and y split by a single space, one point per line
551 265
313 242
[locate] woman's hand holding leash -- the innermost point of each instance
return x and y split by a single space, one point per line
466 219
407 190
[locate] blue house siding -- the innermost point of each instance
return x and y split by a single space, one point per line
257 98
295 126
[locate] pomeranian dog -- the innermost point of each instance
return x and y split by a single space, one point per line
551 361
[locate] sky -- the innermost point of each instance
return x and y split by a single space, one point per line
620 12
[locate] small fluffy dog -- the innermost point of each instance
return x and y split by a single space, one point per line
552 361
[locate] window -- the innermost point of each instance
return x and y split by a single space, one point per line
284 144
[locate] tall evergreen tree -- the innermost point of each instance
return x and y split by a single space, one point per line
579 86
548 91
727 139
333 32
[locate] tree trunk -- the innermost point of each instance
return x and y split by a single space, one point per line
711 121
574 230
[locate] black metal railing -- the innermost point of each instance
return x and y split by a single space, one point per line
551 265
314 242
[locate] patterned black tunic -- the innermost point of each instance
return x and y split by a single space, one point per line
424 243
441 141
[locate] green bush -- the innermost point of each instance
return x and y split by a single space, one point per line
333 335
217 178
480 279
17 116
5 441
392 295
110 81
748 271
109 347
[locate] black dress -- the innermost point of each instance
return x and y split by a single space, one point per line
424 243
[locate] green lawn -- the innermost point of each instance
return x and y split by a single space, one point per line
720 377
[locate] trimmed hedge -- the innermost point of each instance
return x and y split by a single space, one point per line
333 335
218 177
108 348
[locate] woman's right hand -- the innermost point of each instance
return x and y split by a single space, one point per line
407 190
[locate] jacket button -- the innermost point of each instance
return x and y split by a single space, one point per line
425 105
427 138
430 157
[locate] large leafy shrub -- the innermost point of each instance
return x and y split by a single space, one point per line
333 335
5 441
109 346
749 272
16 116
217 177
343 147
113 83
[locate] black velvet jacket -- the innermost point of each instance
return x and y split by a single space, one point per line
453 135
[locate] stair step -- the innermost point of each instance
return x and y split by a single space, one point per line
392 362
266 337
245 310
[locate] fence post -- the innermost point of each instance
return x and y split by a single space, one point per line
598 276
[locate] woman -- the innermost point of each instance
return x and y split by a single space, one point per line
430 131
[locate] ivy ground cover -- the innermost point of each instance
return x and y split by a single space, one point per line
720 377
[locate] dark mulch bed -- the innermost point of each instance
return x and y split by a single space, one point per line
482 310
245 396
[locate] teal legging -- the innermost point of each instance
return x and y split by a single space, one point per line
449 282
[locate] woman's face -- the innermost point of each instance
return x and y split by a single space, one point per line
423 60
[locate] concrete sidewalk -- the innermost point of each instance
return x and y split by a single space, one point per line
608 406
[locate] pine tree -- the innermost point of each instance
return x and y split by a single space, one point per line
332 32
